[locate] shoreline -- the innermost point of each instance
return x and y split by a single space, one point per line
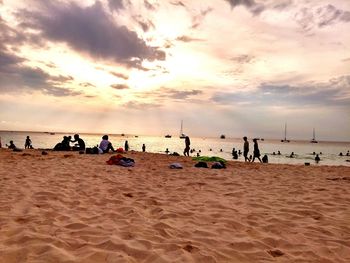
67 207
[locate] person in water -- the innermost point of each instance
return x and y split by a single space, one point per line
81 143
246 149
126 146
256 152
106 145
28 143
317 158
187 146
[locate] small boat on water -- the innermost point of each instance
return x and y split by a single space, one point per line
285 134
167 136
313 140
182 135
222 136
52 133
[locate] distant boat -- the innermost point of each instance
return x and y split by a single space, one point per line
313 137
285 134
182 135
52 133
167 136
122 134
222 136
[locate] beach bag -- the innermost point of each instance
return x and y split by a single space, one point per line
175 166
201 165
218 165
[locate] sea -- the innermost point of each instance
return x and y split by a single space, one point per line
204 146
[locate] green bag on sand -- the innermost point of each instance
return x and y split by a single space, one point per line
209 159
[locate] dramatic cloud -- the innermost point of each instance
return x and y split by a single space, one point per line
119 75
149 6
116 5
320 17
178 3
243 59
166 93
251 5
309 94
197 20
119 86
90 30
187 39
135 105
17 77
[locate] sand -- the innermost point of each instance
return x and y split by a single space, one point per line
66 207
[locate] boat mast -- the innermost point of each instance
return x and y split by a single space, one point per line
285 131
181 127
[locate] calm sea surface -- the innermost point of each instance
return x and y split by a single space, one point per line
303 150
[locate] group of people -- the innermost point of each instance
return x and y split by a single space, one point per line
256 151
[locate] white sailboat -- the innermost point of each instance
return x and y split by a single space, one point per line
285 134
313 137
182 135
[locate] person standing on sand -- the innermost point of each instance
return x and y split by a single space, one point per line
28 143
256 153
126 146
143 147
245 149
187 146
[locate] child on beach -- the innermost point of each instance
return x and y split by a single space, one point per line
28 143
11 146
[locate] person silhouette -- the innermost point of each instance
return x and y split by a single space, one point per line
187 146
246 149
317 158
143 147
28 143
126 146
81 143
256 152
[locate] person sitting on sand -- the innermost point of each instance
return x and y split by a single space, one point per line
28 143
81 143
256 152
187 146
245 149
11 146
317 158
106 145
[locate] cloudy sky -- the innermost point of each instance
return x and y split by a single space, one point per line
234 67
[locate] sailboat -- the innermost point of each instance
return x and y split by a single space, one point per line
182 135
285 134
313 137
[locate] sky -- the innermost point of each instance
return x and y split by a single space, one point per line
233 67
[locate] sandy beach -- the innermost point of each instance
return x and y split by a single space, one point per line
66 207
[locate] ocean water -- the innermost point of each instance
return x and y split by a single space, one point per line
303 150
